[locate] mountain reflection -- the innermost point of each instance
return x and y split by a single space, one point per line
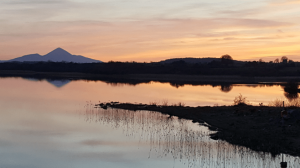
183 140
58 83
55 82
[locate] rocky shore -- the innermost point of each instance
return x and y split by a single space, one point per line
259 128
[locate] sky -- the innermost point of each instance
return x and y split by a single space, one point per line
151 30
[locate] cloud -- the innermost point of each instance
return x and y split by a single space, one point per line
107 143
284 2
33 2
18 11
233 13
120 39
251 23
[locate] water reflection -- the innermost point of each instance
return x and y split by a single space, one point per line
55 82
226 88
183 140
191 94
289 87
58 83
291 90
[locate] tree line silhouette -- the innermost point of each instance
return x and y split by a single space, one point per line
226 66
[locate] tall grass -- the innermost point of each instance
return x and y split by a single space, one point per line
164 102
287 103
179 104
153 103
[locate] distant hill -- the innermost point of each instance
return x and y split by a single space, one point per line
196 60
57 55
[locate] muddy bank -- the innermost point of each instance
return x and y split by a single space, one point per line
258 128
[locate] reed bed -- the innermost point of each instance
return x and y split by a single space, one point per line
183 140
287 103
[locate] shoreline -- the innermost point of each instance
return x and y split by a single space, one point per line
146 78
259 128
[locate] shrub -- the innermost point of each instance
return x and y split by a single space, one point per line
240 100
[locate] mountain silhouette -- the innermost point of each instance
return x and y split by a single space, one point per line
57 55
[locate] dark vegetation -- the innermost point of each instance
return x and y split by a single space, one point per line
223 66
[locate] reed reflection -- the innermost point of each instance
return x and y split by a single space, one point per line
183 140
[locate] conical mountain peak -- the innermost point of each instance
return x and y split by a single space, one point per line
58 51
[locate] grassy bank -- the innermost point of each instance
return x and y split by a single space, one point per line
259 128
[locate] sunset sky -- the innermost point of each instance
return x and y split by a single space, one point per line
151 30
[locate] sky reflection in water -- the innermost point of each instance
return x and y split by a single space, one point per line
45 126
190 95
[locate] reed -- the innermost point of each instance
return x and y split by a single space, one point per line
164 102
153 103
287 103
276 103
179 104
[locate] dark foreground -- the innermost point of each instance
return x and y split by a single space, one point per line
258 128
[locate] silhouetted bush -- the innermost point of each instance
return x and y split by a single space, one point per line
240 100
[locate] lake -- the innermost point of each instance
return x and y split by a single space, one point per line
53 123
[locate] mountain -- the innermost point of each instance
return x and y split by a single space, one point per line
57 55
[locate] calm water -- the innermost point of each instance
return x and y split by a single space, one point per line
54 124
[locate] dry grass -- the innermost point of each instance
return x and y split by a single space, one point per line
294 103
154 103
287 103
164 102
179 104
276 103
